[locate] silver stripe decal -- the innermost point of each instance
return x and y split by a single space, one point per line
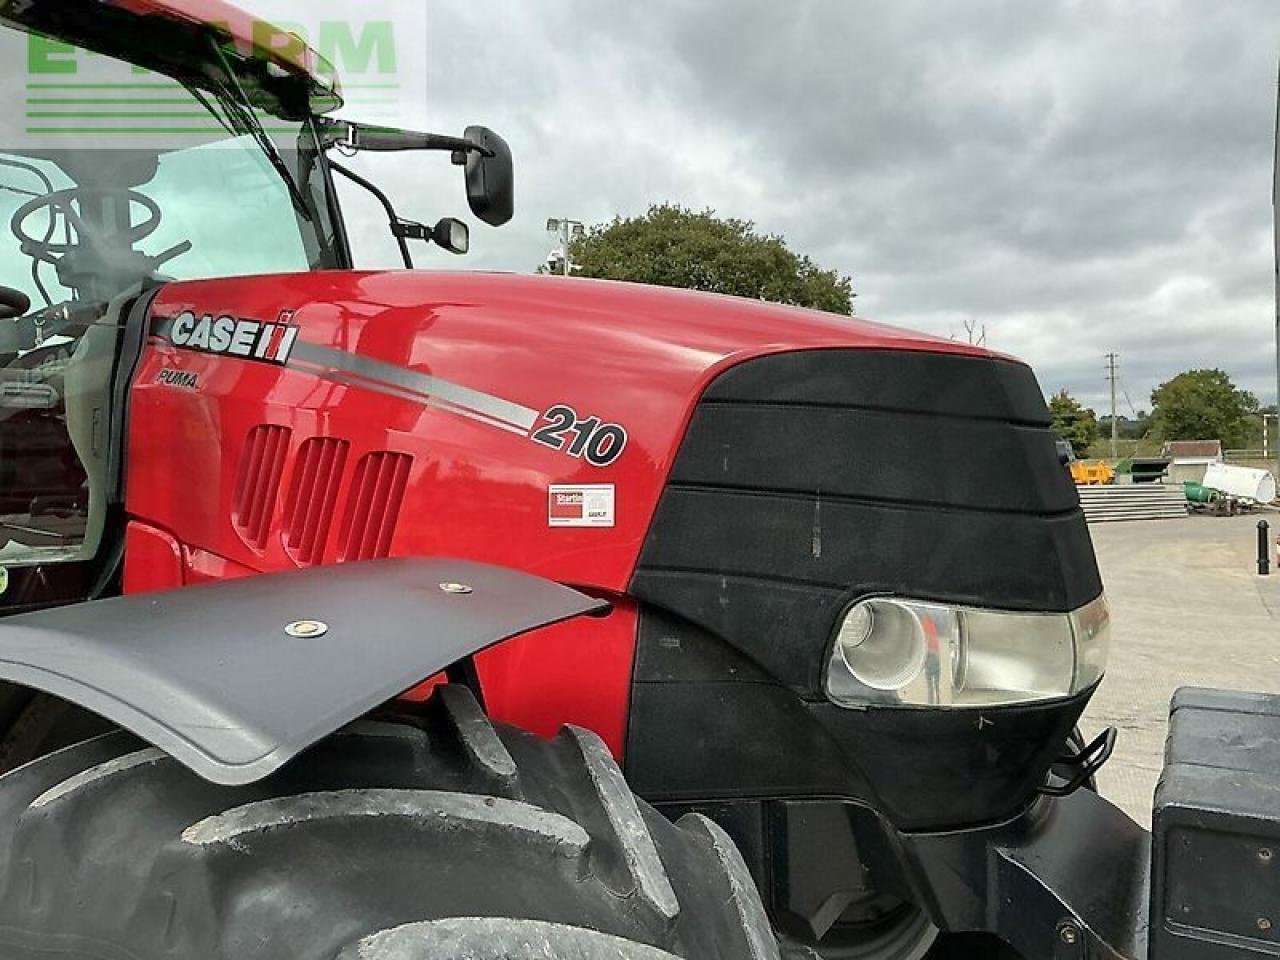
451 395
376 386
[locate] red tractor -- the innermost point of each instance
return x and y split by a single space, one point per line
698 527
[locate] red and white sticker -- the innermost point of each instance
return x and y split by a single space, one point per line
581 506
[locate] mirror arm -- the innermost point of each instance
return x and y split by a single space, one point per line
356 136
411 230
393 219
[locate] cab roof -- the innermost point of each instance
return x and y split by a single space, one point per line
248 31
283 52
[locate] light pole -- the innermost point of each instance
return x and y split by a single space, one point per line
567 230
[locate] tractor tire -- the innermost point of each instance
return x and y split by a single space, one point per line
438 838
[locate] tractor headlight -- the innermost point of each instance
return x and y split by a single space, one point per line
891 651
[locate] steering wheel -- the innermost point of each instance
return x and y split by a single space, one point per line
62 202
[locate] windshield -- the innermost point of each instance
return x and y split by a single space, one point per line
107 189
222 198
109 185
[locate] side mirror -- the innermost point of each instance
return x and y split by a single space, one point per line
490 179
13 303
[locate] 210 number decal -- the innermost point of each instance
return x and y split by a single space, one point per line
600 444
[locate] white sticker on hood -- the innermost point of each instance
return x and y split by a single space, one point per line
592 505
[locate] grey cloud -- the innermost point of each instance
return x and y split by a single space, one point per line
1080 176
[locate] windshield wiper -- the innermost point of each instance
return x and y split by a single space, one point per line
234 97
214 112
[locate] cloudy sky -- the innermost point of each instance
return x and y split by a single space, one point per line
1077 177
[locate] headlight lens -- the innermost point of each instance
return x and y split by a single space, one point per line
892 651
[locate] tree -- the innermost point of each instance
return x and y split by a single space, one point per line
1204 405
672 246
1074 423
977 333
1127 429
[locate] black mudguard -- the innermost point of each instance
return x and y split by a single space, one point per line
215 676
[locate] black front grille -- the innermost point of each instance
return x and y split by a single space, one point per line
809 479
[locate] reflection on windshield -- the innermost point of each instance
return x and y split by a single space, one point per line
223 199
23 179
44 484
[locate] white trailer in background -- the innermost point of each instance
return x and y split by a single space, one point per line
1243 483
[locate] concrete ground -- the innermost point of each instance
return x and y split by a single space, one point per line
1188 609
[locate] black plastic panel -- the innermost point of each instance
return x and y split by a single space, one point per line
718 741
783 626
1215 891
937 769
873 455
931 383
808 480
924 769
1076 864
1067 880
708 724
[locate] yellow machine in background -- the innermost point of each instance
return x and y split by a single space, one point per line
1092 473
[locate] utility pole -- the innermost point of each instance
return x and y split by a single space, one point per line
1115 427
568 231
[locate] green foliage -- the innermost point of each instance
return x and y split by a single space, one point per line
674 247
1126 428
1204 405
1101 449
1076 424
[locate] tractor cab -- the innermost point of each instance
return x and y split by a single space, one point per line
210 162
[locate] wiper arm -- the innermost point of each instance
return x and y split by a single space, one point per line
239 102
214 112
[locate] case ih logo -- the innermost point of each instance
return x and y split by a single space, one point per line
231 337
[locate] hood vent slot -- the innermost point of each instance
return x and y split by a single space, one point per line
254 500
373 506
313 495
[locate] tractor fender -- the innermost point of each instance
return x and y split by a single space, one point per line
234 679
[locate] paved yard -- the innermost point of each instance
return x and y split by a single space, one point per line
1188 608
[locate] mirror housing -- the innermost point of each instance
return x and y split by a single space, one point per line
13 303
490 176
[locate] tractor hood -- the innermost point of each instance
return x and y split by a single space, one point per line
666 335
539 415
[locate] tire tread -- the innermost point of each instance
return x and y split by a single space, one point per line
385 826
